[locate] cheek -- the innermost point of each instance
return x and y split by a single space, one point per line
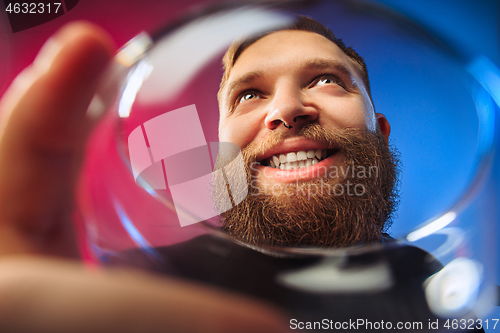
346 113
239 131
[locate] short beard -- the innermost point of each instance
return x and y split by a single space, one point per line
348 209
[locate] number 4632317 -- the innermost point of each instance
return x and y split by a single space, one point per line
33 8
471 324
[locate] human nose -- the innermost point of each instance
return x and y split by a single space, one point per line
289 108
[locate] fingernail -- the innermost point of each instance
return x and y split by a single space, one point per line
47 54
96 108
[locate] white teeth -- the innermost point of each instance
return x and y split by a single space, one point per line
292 165
318 154
301 156
298 160
291 157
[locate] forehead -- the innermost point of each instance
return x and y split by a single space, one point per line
287 50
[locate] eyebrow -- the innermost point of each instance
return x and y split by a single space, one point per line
244 80
321 63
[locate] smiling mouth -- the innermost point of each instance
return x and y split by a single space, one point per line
298 160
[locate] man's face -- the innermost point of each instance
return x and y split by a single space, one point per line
300 78
305 81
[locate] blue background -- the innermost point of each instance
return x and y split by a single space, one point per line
468 25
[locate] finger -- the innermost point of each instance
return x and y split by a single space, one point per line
43 126
55 296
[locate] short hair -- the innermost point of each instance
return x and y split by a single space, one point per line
302 23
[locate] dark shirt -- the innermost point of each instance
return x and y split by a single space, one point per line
383 284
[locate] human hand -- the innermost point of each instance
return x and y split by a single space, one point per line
42 136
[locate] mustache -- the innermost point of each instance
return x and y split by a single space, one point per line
339 139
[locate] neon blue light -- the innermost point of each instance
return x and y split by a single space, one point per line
134 233
488 75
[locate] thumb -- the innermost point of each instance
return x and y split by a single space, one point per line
42 131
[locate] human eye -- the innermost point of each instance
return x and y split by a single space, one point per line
327 79
247 96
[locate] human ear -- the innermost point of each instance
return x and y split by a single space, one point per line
385 127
